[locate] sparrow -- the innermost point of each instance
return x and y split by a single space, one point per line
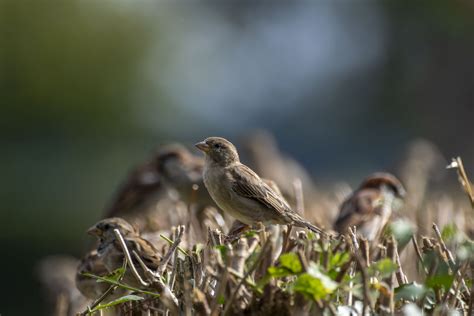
370 206
110 250
89 287
155 185
239 191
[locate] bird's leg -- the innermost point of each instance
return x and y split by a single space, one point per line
261 231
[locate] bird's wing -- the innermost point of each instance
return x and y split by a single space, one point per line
248 184
147 252
358 208
139 185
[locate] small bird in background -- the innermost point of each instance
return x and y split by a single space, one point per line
155 187
89 287
56 277
422 170
370 206
261 150
239 191
111 253
269 162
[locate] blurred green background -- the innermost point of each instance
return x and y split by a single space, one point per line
88 88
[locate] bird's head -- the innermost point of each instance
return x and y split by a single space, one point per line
219 150
385 180
104 229
177 165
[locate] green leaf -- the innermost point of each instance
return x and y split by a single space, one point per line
411 291
440 281
279 272
119 284
384 267
402 230
198 248
314 284
449 231
465 251
339 259
291 262
120 300
289 265
223 250
315 272
250 233
114 275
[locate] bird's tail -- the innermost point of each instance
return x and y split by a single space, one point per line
305 224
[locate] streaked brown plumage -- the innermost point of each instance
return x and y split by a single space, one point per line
239 191
370 206
88 286
171 169
111 253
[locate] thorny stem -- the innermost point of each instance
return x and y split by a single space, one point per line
171 242
463 179
172 249
360 263
471 298
247 274
451 261
418 253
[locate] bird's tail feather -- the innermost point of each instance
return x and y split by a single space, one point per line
305 224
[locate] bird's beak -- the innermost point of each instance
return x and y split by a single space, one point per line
94 231
202 146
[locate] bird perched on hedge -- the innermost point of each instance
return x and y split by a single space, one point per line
111 252
167 176
89 287
238 190
370 206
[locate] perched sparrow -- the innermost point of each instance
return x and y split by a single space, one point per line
241 192
154 187
111 252
180 170
370 206
237 227
89 287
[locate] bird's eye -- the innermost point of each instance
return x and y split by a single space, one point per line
217 146
107 226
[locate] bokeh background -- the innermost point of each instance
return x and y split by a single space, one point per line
89 88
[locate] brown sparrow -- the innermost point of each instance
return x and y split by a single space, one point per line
157 184
239 191
111 253
370 206
89 287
